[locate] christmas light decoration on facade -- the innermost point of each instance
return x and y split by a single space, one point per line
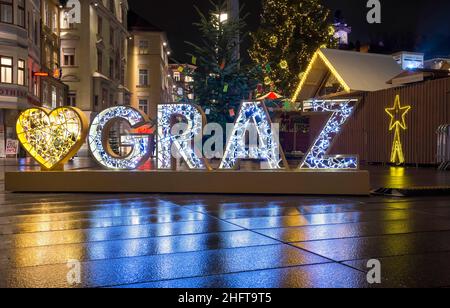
52 138
194 119
317 157
268 148
397 115
100 147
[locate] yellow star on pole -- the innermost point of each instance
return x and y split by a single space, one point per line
398 122
398 114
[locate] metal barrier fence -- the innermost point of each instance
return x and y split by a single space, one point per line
443 155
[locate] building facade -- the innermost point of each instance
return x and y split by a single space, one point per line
149 77
94 56
19 58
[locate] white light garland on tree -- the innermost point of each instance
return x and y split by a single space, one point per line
317 157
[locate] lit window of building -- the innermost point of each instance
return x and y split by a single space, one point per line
55 21
54 98
6 70
177 76
69 56
45 96
143 78
72 99
21 72
143 105
143 47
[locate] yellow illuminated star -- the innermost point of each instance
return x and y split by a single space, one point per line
398 114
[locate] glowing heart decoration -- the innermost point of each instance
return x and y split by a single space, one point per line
52 138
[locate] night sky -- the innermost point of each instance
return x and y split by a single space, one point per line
425 23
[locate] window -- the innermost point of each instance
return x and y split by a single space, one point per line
6 11
36 32
143 77
6 70
21 72
143 47
99 26
112 6
112 34
55 21
45 97
21 13
69 56
72 99
177 76
111 68
104 97
55 59
35 84
54 97
99 61
66 22
143 105
29 24
48 57
124 16
46 14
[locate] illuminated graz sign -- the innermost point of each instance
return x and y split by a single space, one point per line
53 137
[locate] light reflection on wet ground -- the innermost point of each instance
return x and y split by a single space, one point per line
222 241
217 241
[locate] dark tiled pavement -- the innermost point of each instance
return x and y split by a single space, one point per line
217 241
222 241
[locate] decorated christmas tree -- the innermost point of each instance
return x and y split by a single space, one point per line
291 31
220 81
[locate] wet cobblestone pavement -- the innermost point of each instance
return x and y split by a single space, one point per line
223 241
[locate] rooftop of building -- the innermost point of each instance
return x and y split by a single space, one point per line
356 71
139 23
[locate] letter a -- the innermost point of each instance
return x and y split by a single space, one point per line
374 15
254 114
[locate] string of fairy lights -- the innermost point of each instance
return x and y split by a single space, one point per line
268 148
317 156
139 144
181 141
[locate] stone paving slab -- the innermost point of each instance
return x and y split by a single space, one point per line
308 276
413 271
162 267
